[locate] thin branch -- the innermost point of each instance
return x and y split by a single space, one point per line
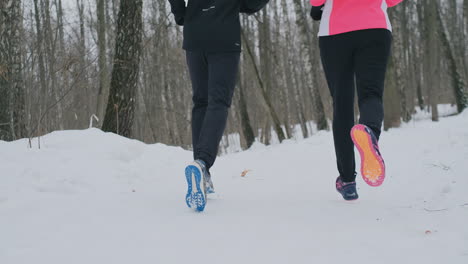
435 210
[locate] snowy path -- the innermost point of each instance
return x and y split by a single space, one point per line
89 197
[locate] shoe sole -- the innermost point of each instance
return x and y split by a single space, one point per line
348 199
372 163
195 197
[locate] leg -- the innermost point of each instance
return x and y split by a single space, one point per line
198 69
223 69
336 54
371 57
371 60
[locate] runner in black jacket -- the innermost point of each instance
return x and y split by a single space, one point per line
213 46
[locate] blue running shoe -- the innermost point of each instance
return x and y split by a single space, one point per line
347 189
196 193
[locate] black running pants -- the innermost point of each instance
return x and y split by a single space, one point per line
213 78
353 60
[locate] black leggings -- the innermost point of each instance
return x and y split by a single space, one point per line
213 77
358 57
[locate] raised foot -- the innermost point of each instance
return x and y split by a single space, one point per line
195 198
372 163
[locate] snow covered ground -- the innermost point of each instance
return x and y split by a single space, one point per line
91 197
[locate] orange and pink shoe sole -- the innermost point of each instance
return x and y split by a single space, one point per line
372 163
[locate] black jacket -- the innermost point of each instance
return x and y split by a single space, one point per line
213 25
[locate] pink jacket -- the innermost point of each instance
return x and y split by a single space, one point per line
341 16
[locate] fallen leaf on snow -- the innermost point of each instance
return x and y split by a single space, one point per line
244 173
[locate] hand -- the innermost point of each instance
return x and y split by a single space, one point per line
316 12
179 20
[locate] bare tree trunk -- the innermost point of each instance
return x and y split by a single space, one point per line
456 66
432 63
12 104
40 52
62 56
418 63
247 130
465 16
465 30
392 107
51 47
317 99
121 105
5 68
102 61
397 15
82 83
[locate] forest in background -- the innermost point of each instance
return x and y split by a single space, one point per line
73 64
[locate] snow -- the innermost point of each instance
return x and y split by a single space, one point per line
93 197
443 110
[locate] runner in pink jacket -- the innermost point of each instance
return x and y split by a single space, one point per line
355 41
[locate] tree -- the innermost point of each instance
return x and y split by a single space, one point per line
456 63
101 35
12 106
431 59
398 17
247 130
465 28
392 107
50 49
121 103
39 48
